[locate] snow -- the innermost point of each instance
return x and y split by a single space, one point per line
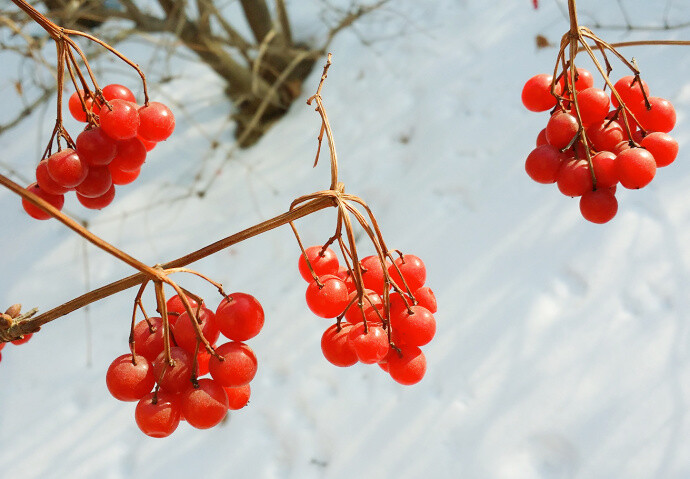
561 349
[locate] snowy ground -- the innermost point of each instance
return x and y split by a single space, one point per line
562 346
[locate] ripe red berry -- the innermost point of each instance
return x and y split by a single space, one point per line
574 178
75 107
336 347
205 404
128 381
660 117
130 155
175 307
416 326
325 262
599 206
34 211
425 297
149 145
373 275
370 346
97 182
543 163
605 135
594 105
561 129
115 92
663 147
407 367
541 138
148 340
239 366
630 91
174 377
605 171
95 147
98 202
636 168
66 168
412 269
328 300
583 79
185 333
156 122
158 415
46 183
121 120
371 303
120 177
536 94
239 317
238 397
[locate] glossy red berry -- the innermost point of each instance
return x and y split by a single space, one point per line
239 317
129 381
130 155
372 308
118 92
574 178
373 273
238 367
636 168
120 177
185 332
175 307
325 262
660 117
605 135
425 297
238 397
561 129
148 340
336 347
536 94
121 120
412 270
599 206
174 377
156 122
66 168
205 404
95 147
663 147
605 171
77 110
46 183
594 105
370 346
97 182
158 415
407 366
34 211
543 163
98 202
329 299
415 326
630 91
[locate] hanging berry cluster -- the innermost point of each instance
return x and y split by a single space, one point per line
164 371
594 141
368 329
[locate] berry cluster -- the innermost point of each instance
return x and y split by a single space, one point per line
369 328
179 391
592 143
109 151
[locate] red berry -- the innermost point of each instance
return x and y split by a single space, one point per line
239 317
630 91
561 129
605 135
205 404
239 366
115 92
156 122
174 377
328 300
95 147
412 269
121 120
543 163
130 155
97 182
127 381
175 307
336 347
660 117
120 177
99 202
34 211
663 147
605 171
594 105
415 326
574 178
66 168
238 397
322 263
371 303
77 110
536 94
370 346
46 183
541 138
583 79
425 297
158 418
407 367
636 168
373 273
148 340
599 206
185 333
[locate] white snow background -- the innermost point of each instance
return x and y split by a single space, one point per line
562 346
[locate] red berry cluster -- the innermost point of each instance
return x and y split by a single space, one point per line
587 158
368 330
180 392
16 342
110 151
